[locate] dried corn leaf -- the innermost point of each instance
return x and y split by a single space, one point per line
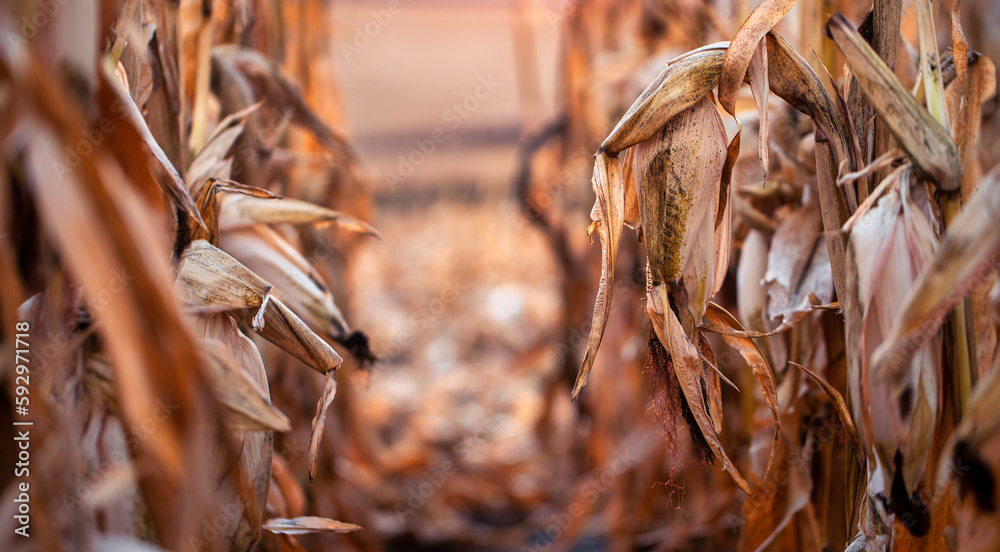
924 139
757 362
241 211
296 282
840 406
266 82
608 215
151 353
687 367
319 421
136 132
798 267
744 47
791 79
247 407
290 333
212 160
210 280
681 85
308 524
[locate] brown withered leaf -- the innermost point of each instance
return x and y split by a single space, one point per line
291 334
209 205
319 421
263 80
295 281
924 138
308 524
757 75
681 85
982 87
608 215
745 46
757 362
212 160
793 80
840 405
151 353
134 131
210 280
242 211
798 268
687 367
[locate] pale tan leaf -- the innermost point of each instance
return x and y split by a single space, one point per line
319 421
757 362
241 211
924 138
681 85
210 280
290 333
295 281
744 47
308 524
609 217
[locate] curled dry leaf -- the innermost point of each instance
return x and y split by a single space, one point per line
210 280
290 333
212 160
608 215
308 524
121 105
745 46
681 85
296 282
319 421
263 80
840 405
688 369
241 211
924 139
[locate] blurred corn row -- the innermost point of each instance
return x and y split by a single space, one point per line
164 181
820 239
